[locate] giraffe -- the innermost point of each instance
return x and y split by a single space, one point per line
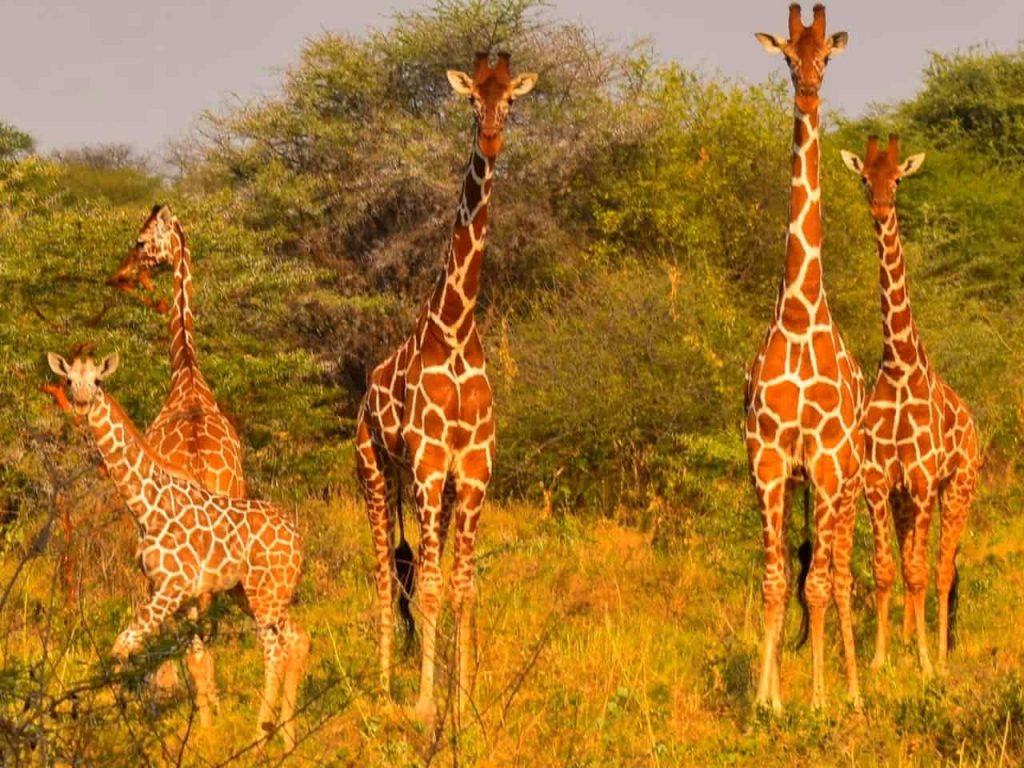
427 413
194 542
920 443
804 397
190 432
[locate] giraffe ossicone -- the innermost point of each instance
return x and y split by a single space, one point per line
427 417
194 542
920 443
804 396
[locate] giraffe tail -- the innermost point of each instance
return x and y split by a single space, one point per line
405 570
804 554
953 602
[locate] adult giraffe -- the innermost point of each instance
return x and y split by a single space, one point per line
920 444
804 395
190 432
194 542
428 413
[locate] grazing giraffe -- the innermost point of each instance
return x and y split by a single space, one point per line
428 412
920 444
804 396
190 432
194 542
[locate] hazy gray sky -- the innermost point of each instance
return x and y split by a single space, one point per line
89 71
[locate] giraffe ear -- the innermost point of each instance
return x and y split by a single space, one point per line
852 162
771 43
108 366
838 43
462 83
523 84
164 214
912 165
58 364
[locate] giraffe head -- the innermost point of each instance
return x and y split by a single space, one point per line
491 90
83 377
807 53
154 246
880 173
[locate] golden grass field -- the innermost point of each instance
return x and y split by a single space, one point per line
597 644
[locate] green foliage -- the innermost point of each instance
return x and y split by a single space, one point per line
595 388
975 96
14 144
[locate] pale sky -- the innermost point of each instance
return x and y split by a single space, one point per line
78 72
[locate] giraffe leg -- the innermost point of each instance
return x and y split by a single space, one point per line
842 551
296 647
374 487
956 503
199 663
474 475
923 502
428 491
884 567
902 513
828 508
770 486
162 604
273 658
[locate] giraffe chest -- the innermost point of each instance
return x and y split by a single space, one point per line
904 426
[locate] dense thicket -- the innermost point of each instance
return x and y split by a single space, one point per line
637 236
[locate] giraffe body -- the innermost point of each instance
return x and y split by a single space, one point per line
427 414
804 396
193 542
921 446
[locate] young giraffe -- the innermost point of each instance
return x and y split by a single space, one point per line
804 395
428 412
190 432
194 542
920 444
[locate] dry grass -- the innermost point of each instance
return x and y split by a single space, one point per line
594 648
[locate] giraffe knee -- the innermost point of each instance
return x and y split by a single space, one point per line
127 643
885 575
463 592
916 580
429 588
817 591
773 590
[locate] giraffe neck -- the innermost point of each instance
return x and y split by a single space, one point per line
901 343
452 303
183 346
801 300
130 462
